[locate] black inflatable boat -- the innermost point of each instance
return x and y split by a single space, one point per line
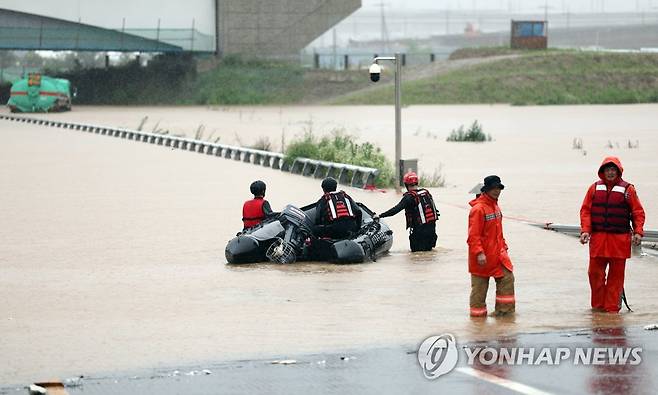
287 238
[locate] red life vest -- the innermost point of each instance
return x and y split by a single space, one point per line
338 206
423 211
252 212
610 210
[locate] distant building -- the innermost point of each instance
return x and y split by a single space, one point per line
529 35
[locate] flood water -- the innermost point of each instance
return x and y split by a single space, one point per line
112 251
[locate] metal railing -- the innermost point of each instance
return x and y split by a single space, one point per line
346 174
650 238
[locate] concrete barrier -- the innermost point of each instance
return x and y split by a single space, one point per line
346 174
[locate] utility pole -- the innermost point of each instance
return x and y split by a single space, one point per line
384 28
546 7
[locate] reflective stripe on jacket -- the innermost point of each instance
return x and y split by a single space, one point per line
610 211
423 211
338 206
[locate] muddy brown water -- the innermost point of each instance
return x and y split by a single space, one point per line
111 252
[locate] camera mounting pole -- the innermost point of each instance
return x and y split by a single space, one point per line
397 60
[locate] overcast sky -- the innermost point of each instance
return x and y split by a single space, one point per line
518 5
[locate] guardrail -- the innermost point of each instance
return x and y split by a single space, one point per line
650 238
346 174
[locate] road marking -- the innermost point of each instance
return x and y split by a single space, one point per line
512 385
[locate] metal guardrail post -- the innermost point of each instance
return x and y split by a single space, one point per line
371 179
342 176
297 167
307 168
354 179
258 158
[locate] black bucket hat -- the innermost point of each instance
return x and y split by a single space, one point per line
491 182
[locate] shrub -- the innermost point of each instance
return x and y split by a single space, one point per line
263 144
341 147
434 180
474 133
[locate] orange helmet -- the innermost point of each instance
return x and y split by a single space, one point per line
410 178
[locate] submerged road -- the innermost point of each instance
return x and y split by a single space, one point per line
111 256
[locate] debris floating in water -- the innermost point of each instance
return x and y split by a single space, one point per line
198 372
74 381
284 362
36 390
651 327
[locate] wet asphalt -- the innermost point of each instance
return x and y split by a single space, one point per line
396 370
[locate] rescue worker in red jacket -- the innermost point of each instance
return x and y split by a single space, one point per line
420 212
487 252
611 217
254 211
336 214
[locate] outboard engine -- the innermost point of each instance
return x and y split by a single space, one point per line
297 227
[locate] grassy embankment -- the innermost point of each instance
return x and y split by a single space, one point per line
546 77
553 77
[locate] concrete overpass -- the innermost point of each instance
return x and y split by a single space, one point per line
252 27
23 31
276 27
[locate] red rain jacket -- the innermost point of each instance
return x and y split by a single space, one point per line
607 244
485 234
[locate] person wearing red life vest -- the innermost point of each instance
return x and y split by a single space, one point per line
611 218
487 252
336 214
254 211
420 212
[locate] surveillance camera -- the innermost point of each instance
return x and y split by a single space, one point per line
375 72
